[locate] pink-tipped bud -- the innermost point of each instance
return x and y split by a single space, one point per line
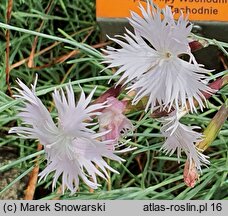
190 174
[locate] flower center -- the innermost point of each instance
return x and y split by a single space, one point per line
168 55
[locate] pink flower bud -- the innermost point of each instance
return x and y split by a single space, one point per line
190 174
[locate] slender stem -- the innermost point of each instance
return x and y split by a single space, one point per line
87 49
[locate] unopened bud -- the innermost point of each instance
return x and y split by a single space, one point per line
190 174
198 44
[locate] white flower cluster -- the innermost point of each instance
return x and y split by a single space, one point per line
150 62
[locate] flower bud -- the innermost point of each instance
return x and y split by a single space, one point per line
190 174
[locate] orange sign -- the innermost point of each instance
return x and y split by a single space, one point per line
200 10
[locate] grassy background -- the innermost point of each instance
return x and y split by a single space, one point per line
147 172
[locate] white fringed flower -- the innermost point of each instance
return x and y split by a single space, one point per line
73 149
151 59
182 138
